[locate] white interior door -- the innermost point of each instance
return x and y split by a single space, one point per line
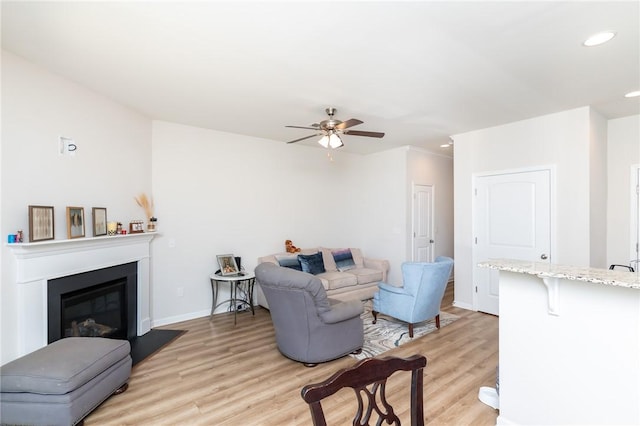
512 213
423 239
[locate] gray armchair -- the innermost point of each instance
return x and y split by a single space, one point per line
309 327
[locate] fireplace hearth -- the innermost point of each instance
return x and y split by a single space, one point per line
99 303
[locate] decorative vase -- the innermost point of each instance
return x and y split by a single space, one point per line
151 226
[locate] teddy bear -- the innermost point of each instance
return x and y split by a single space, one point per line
290 247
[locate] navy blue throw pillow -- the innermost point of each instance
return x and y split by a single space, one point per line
289 261
311 263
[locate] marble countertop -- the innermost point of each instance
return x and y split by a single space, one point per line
618 277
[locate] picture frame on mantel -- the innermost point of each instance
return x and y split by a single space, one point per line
99 215
41 224
75 222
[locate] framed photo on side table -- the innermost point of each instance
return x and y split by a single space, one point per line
99 215
75 222
40 223
227 264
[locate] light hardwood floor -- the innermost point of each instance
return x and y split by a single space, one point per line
222 374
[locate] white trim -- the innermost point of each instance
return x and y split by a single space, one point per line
463 305
448 155
180 318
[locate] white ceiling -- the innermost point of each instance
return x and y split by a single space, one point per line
419 71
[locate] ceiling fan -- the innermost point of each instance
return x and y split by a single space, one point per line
331 129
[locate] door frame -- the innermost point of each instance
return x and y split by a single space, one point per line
413 219
474 206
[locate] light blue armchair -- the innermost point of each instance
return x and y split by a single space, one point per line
420 297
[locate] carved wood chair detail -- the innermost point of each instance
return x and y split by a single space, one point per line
368 379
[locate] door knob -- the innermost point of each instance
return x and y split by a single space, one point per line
431 241
543 256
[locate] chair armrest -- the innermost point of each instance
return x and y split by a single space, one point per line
342 311
379 264
391 288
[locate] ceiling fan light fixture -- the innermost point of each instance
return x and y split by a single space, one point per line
332 141
324 141
335 141
331 129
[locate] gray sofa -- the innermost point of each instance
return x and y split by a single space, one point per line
358 282
309 327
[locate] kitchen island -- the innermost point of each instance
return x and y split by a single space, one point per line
569 344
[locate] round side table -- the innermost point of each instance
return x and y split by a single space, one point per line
241 288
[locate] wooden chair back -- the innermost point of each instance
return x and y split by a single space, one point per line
368 378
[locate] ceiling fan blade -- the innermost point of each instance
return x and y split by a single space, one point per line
363 133
306 137
303 127
349 123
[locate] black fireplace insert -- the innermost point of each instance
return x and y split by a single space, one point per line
99 303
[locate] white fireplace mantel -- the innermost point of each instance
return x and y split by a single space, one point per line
37 263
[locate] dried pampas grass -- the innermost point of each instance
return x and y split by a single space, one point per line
146 204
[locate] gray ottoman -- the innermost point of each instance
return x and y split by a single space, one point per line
63 382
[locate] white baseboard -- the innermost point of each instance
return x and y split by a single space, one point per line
502 421
179 318
463 305
185 317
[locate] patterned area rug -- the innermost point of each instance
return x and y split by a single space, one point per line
388 333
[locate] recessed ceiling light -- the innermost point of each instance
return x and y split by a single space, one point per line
600 38
447 145
632 94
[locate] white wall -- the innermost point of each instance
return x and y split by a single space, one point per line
561 140
220 193
112 165
597 190
386 182
623 152
382 217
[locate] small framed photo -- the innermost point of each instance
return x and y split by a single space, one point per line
99 215
136 227
40 223
75 222
227 264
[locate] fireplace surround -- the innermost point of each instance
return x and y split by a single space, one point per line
98 303
37 263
